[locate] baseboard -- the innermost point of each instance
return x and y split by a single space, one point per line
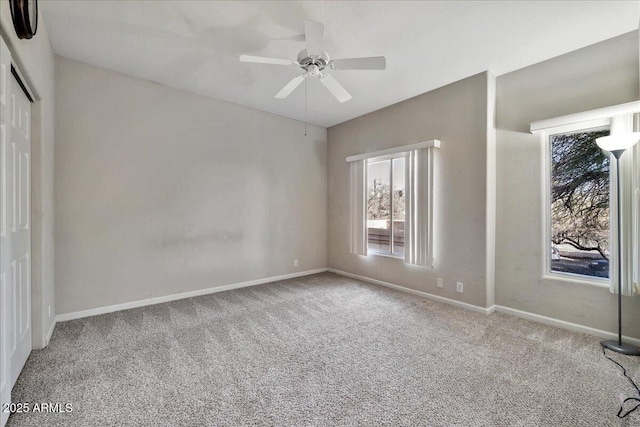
173 297
50 333
415 292
574 327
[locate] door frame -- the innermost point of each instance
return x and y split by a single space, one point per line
5 352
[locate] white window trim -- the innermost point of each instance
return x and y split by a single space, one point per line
578 119
619 118
385 254
547 273
387 157
404 148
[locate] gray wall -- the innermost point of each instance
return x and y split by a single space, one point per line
160 191
35 59
457 115
597 76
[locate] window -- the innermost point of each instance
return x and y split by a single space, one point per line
582 199
579 204
391 203
386 205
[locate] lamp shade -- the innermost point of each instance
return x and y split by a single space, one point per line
618 142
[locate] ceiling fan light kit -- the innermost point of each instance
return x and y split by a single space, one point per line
314 61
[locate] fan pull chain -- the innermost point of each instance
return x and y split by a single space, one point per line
305 107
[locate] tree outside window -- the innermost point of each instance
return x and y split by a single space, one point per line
386 206
579 204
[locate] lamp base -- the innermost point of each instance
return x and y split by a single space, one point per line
628 349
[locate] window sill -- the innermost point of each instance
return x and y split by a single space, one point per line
577 279
386 254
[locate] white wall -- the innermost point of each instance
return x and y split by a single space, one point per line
457 115
160 191
596 76
35 59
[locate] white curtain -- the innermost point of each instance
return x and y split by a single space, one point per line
629 208
419 214
636 209
358 210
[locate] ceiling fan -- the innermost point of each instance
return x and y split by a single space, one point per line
314 61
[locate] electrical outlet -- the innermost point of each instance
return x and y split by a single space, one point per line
460 287
439 282
295 262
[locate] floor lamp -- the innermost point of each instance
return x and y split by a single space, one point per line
616 145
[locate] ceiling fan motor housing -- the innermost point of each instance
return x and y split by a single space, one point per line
306 61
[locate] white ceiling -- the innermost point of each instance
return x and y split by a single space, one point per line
194 45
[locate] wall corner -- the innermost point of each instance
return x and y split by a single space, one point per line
491 165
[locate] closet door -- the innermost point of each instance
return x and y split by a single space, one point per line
20 231
15 229
6 330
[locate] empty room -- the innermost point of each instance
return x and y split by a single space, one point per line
319 213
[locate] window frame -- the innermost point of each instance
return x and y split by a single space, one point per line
547 273
389 158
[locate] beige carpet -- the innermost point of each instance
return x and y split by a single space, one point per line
320 350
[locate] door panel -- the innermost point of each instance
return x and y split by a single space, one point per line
13 296
3 180
24 284
5 380
11 183
23 190
20 236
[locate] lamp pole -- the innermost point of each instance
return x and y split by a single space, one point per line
618 345
617 154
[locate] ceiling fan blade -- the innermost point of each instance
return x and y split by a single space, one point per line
265 60
335 88
313 32
294 83
371 63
